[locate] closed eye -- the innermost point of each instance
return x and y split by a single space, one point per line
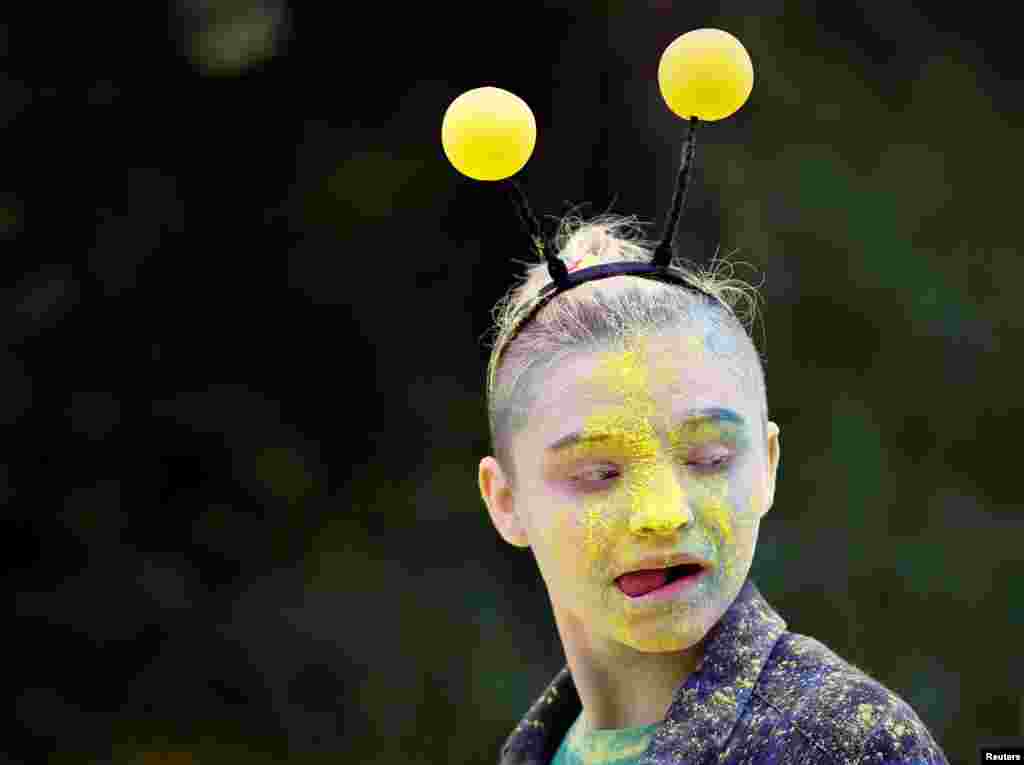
602 474
713 464
609 473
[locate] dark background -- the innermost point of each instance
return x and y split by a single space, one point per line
244 294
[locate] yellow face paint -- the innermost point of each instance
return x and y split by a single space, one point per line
659 497
714 507
719 516
652 495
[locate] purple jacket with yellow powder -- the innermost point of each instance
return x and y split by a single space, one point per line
760 695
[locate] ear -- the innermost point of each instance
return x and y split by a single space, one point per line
773 448
497 495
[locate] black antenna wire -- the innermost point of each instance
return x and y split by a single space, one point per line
663 253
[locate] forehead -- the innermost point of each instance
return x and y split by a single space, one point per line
657 375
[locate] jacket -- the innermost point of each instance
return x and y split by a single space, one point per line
760 695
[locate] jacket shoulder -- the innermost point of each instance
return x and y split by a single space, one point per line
838 712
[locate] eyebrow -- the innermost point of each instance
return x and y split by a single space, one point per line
711 414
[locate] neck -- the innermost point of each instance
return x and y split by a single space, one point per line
619 686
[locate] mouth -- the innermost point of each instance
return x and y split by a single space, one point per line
660 584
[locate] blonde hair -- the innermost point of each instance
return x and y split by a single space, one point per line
601 314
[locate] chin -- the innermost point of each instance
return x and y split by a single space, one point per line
655 640
665 645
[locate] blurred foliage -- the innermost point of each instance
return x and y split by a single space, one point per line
244 363
226 37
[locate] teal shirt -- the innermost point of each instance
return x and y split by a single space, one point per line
621 746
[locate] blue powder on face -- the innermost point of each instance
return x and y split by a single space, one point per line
721 343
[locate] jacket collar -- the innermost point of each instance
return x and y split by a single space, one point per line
704 709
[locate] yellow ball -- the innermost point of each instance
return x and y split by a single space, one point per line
488 133
705 73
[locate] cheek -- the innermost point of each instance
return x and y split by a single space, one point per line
595 533
580 537
716 508
758 496
570 541
728 511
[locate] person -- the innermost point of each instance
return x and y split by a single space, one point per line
633 454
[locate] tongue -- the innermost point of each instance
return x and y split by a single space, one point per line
642 582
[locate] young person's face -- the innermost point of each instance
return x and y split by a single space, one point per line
670 459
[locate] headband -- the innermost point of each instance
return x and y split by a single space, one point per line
489 134
562 279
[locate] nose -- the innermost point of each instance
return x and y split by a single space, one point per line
658 523
660 505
